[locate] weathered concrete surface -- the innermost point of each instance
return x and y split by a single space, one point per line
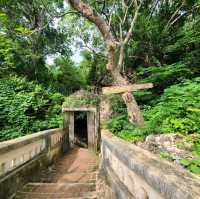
104 190
22 159
136 173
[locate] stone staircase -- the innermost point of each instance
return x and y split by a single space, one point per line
73 177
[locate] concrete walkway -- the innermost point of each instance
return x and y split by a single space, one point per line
74 176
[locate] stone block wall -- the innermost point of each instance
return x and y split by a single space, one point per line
134 173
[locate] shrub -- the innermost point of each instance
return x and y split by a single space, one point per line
82 98
26 107
121 127
177 111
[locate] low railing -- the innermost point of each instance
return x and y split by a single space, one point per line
18 154
136 173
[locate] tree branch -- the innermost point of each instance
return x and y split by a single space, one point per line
112 10
126 12
153 8
103 27
175 20
54 15
128 36
90 48
88 13
173 15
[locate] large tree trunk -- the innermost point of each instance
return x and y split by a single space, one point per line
113 46
134 113
133 109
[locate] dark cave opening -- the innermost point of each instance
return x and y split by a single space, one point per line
80 129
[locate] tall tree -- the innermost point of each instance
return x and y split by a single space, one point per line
115 43
34 27
106 14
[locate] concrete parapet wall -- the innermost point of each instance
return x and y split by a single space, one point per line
138 174
21 159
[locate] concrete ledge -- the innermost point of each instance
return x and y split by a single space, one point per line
145 175
118 187
18 142
16 179
82 109
22 159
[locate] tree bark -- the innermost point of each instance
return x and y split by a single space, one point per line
113 46
134 112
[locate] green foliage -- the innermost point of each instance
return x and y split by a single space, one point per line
121 127
23 30
186 47
65 76
82 98
192 164
26 107
165 76
25 44
164 155
117 104
196 148
130 136
30 87
8 49
177 111
119 123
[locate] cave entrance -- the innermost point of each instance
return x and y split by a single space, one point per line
81 126
80 129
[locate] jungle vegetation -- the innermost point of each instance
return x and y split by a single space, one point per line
49 50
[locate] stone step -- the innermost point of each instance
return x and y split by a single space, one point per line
70 178
28 197
85 195
89 169
57 190
62 170
59 187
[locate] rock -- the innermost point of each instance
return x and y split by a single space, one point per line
163 142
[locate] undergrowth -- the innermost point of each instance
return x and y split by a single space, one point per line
27 107
81 98
176 111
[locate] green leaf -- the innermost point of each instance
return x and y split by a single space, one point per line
195 169
185 162
2 14
23 30
164 155
196 162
